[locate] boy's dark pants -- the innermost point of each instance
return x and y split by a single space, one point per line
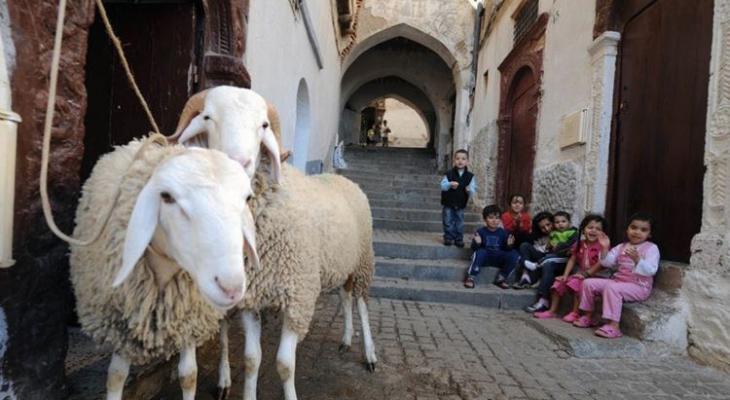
453 221
528 252
549 270
505 260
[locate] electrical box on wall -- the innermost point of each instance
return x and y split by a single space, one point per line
575 128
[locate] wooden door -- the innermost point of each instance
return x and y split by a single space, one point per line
521 141
659 128
159 40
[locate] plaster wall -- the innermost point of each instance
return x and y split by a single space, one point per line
565 88
406 125
707 280
279 56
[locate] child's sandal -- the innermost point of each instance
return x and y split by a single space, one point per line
583 322
609 332
469 282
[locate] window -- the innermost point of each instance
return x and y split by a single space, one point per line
524 18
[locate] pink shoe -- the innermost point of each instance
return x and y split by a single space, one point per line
571 317
608 332
544 315
583 321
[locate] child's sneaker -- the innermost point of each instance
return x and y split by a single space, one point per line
448 242
571 317
469 282
530 265
459 244
544 315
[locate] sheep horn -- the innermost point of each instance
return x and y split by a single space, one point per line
193 107
272 141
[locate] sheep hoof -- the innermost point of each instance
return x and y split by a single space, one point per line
371 367
222 393
344 348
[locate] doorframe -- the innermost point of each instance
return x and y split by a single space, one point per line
526 53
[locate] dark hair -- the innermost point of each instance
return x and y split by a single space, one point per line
514 195
641 216
462 151
491 209
536 232
563 214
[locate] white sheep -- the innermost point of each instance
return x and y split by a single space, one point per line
169 262
314 234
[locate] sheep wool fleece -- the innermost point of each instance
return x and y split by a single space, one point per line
139 320
313 234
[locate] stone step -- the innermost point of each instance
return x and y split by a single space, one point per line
448 270
419 245
428 226
397 181
376 188
411 214
404 204
423 177
661 320
484 294
390 169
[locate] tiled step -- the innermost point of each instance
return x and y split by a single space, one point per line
484 294
427 226
408 214
446 270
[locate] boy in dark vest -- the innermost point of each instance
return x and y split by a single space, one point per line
456 187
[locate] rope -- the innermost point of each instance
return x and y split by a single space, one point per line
155 138
123 59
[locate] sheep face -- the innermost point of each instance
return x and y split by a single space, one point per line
237 122
194 209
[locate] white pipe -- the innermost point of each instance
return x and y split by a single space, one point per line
8 143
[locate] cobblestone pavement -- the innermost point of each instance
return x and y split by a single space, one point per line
440 351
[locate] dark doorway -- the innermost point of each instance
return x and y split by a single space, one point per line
159 41
659 126
519 146
367 120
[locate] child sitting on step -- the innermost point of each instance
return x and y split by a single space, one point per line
492 246
562 238
456 187
516 220
635 262
534 249
583 262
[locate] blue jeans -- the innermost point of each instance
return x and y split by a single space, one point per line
549 270
453 221
504 260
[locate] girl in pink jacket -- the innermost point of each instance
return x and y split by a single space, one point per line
635 263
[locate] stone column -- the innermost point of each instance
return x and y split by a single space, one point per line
603 61
707 280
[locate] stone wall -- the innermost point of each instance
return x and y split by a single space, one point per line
483 163
556 188
35 293
707 281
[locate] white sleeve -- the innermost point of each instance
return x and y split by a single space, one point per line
610 260
649 264
444 184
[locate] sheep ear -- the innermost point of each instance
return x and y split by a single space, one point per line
196 127
272 147
249 240
142 225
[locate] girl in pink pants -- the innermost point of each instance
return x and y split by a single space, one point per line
635 262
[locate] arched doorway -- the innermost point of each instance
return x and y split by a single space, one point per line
517 144
302 128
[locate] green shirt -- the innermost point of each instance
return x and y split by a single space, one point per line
559 237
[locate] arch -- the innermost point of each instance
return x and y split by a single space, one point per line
302 128
401 30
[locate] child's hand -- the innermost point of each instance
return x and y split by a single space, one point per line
454 184
604 240
510 240
579 276
477 239
633 253
560 278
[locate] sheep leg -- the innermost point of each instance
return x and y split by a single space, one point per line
346 301
252 353
187 370
118 371
224 368
367 337
286 358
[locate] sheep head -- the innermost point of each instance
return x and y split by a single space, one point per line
237 122
193 208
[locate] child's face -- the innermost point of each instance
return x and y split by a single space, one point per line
592 230
561 223
545 225
638 231
460 160
492 221
517 204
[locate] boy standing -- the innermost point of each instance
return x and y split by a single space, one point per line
456 187
492 246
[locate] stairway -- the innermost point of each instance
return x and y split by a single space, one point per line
411 261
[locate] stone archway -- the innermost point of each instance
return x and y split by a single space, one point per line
302 128
521 73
